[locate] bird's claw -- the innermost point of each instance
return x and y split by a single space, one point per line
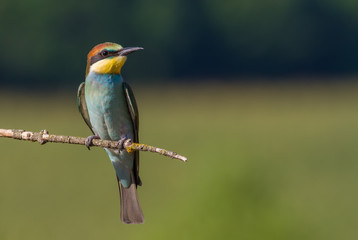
89 140
120 143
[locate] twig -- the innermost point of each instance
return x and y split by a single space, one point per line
44 137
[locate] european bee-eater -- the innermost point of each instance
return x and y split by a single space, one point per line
108 107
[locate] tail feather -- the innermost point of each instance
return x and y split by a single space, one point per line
131 212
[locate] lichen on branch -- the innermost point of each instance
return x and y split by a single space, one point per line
43 137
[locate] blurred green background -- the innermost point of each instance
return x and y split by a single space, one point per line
265 162
261 96
45 42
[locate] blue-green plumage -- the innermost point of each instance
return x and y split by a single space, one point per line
110 118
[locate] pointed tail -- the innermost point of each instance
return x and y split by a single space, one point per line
131 212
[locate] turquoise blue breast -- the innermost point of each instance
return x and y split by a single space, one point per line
107 106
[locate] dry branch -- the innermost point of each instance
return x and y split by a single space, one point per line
44 137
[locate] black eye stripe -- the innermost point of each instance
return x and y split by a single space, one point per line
102 55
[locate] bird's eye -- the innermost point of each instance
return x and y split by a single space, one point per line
104 53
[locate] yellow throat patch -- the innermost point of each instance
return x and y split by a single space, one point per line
112 65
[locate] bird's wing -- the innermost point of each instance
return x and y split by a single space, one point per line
133 110
82 106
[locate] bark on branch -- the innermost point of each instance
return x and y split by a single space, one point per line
44 137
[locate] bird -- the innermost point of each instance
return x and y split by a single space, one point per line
107 105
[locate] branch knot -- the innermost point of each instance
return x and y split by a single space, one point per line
40 138
18 133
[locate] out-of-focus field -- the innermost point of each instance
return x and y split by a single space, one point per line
265 162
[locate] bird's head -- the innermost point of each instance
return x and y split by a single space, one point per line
108 58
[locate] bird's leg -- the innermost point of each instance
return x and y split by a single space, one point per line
120 143
89 140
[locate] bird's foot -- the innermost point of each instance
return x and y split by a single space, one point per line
89 140
120 143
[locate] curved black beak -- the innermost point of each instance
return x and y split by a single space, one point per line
128 50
